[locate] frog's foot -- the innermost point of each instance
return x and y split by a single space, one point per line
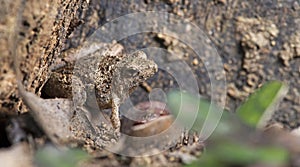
114 118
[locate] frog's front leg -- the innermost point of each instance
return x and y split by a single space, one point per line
114 118
78 92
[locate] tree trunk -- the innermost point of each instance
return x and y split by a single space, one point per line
41 32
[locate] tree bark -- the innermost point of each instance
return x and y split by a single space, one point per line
42 30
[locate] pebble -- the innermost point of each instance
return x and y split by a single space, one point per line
273 43
195 62
296 6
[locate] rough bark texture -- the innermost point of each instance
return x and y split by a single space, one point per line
44 28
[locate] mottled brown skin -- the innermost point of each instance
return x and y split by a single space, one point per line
102 74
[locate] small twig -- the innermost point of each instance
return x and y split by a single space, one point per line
146 86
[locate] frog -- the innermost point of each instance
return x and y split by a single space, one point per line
98 75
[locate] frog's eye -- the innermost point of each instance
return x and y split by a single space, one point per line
130 72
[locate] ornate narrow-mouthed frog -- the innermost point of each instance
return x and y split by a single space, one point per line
99 74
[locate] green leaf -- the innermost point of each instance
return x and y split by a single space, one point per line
193 112
259 107
190 110
53 157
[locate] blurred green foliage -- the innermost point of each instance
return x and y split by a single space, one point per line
227 148
230 153
50 156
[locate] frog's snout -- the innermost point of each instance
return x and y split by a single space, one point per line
154 67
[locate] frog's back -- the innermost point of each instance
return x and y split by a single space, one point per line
94 66
96 72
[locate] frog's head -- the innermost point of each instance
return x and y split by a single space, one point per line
138 67
134 70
